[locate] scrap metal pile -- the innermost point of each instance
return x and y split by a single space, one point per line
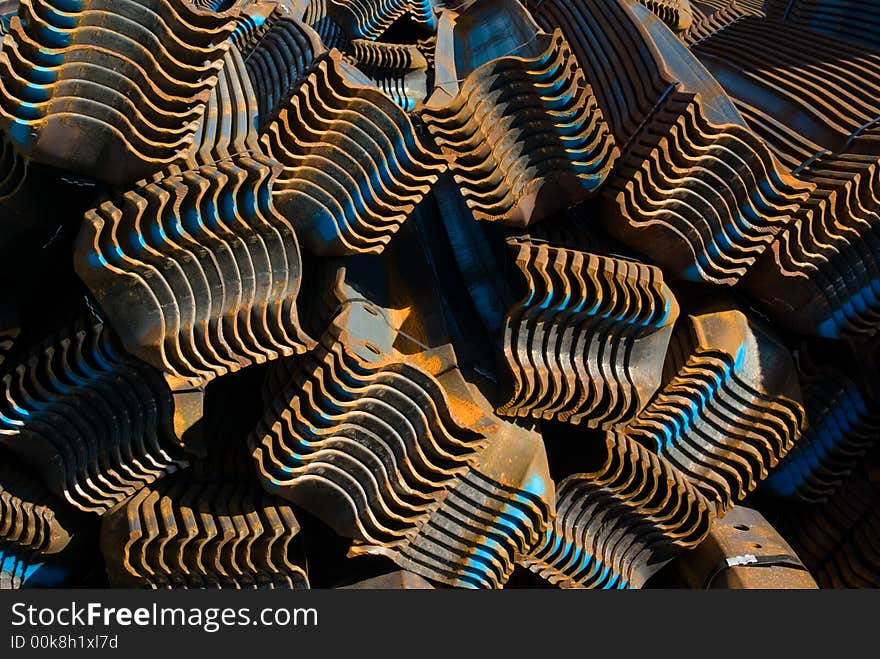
414 293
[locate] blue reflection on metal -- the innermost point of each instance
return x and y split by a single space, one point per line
819 442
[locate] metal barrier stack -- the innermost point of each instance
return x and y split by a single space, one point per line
730 410
106 90
38 536
353 167
93 421
843 425
587 344
619 524
523 133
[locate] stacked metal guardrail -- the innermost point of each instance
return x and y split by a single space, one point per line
495 292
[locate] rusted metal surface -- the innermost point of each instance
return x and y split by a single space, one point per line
113 95
730 410
710 16
8 8
383 439
854 23
744 552
838 540
353 169
95 422
677 14
413 293
588 342
820 275
400 70
209 526
197 268
369 19
620 523
399 580
493 515
164 530
680 136
205 298
191 535
843 424
276 56
32 518
433 444
523 133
